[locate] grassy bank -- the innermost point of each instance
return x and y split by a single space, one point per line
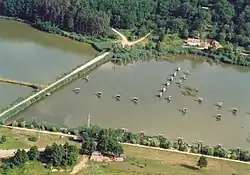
138 161
158 142
20 139
142 161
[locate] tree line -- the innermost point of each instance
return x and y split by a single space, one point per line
108 141
223 20
56 155
69 15
103 135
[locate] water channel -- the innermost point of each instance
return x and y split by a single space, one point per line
36 57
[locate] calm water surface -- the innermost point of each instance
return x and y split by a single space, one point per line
31 55
9 92
34 56
144 79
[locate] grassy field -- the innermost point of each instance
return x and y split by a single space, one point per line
139 161
30 168
19 139
172 40
142 161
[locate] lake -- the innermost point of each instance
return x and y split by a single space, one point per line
143 79
36 57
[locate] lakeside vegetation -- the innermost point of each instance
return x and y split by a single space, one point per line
56 155
15 139
157 50
223 20
145 140
143 161
63 155
88 21
138 161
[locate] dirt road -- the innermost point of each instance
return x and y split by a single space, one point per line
125 41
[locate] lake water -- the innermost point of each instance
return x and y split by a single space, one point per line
36 57
144 79
9 93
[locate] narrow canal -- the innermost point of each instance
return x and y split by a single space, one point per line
144 79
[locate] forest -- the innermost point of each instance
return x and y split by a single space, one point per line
223 20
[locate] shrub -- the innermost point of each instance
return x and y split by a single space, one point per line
155 142
53 129
75 132
23 124
3 139
14 123
202 162
32 138
31 126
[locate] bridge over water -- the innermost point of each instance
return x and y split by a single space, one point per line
31 99
7 113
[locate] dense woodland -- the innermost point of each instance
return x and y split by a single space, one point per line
224 20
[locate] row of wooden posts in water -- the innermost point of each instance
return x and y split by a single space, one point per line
166 85
180 83
99 94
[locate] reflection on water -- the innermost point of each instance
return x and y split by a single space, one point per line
36 57
31 55
152 115
9 93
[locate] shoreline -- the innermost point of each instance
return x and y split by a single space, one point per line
172 149
62 33
71 38
106 45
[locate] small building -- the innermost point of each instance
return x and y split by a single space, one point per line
99 157
96 153
204 7
204 44
119 159
192 42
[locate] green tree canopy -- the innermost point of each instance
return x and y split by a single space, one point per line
202 162
225 20
88 146
33 153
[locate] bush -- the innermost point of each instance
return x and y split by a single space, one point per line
32 138
31 126
53 129
3 139
75 132
202 162
22 124
155 142
14 123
